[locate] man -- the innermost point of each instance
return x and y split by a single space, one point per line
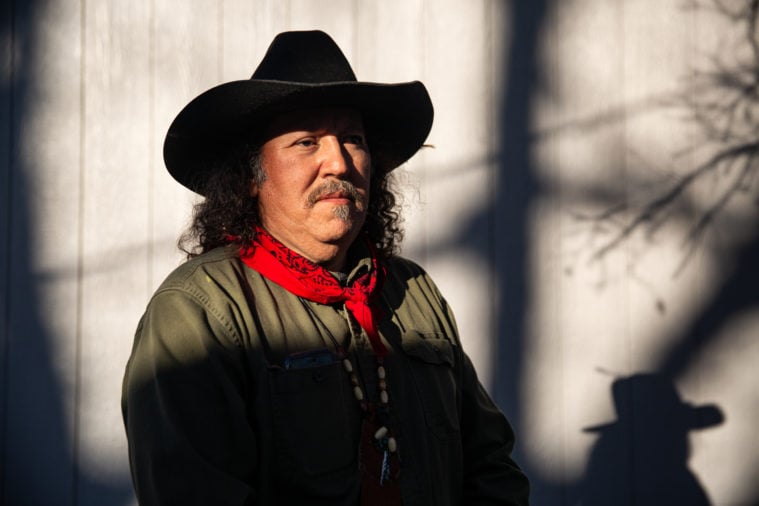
295 359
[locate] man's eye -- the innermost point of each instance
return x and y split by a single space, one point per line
306 143
354 139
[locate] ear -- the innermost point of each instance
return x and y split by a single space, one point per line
254 189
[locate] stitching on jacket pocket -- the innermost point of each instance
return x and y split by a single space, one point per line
310 444
432 365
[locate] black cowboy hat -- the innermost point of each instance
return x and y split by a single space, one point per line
300 70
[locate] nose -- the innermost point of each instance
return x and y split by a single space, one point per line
336 161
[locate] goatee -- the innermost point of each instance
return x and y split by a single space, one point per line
342 187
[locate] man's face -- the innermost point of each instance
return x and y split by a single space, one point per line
316 188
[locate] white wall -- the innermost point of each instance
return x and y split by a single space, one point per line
547 114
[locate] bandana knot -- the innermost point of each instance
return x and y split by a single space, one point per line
302 277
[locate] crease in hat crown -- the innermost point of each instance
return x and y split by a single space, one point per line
288 60
300 69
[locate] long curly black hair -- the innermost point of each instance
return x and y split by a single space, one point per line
228 210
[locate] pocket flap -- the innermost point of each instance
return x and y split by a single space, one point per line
429 347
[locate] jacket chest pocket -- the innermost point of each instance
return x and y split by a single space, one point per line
316 422
432 361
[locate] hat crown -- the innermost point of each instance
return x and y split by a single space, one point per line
304 57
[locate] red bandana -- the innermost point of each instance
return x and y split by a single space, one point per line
303 278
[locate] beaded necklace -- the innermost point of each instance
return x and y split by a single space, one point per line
379 459
383 438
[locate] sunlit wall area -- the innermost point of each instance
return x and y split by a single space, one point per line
587 204
637 369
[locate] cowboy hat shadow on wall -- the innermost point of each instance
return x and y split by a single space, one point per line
642 456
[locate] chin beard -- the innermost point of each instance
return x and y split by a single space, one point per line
342 212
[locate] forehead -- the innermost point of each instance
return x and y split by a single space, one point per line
309 120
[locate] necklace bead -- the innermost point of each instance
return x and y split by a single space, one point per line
378 413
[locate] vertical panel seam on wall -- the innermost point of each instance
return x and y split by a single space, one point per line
628 250
554 150
80 260
354 36
150 183
7 267
625 138
220 41
553 204
423 167
490 68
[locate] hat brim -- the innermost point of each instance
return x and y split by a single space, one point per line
688 417
397 119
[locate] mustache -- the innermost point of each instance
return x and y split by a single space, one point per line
345 188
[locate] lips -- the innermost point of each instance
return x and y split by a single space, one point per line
335 195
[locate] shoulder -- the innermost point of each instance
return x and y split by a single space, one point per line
404 269
200 296
402 265
415 299
407 275
209 283
218 265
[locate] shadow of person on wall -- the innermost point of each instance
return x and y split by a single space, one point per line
642 456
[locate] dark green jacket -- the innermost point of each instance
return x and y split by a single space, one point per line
213 417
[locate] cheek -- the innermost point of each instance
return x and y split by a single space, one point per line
283 196
364 169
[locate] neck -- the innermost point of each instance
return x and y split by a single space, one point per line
334 264
331 256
